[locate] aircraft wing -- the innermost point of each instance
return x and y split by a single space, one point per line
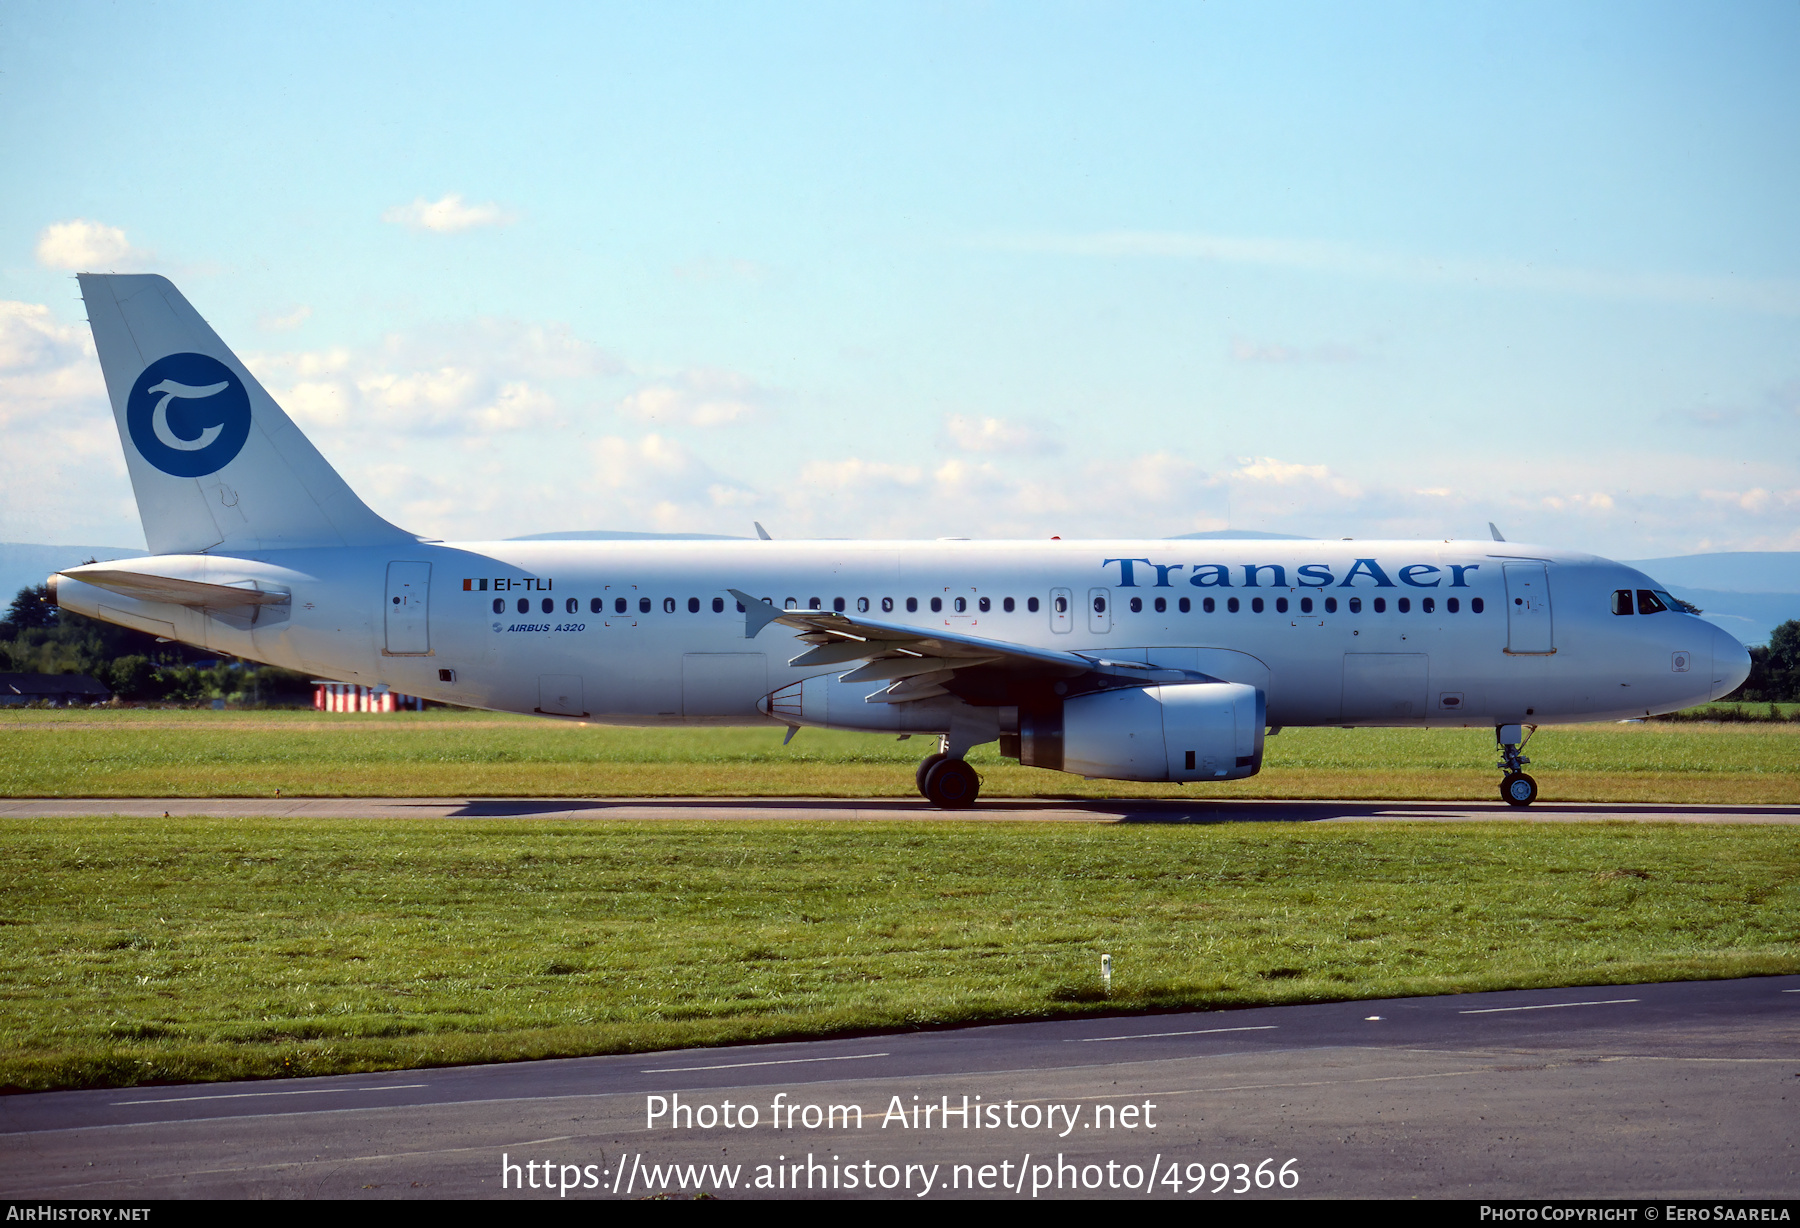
918 663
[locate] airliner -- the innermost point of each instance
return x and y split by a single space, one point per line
1159 660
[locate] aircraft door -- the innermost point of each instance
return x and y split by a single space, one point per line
407 610
1099 610
1062 614
1529 628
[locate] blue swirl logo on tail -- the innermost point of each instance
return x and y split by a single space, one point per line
188 415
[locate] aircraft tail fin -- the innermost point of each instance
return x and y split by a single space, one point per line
215 463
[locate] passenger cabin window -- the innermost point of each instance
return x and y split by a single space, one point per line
549 604
984 604
1162 605
1648 602
618 605
812 603
1428 605
1476 605
1209 605
718 605
693 605
937 605
1381 605
887 605
1451 604
1137 605
596 605
571 605
1306 605
499 605
837 603
912 605
1007 604
1062 605
643 605
1331 605
1231 605
1031 605
1099 605
524 605
962 605
862 605
1405 604
1185 605
1256 605
793 603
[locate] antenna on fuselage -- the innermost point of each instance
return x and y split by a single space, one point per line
762 532
1491 529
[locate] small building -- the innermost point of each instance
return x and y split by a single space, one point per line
57 690
351 697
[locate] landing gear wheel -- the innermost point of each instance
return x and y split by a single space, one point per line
925 765
1518 789
952 784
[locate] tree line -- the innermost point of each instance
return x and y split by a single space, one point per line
1774 668
39 637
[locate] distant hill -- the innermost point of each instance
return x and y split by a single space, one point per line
1749 616
1738 571
23 564
1747 592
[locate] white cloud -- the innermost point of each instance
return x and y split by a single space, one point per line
997 435
285 323
658 484
62 471
701 398
705 270
1779 296
86 247
487 378
1244 350
447 215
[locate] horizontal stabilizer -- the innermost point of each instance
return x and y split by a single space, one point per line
191 593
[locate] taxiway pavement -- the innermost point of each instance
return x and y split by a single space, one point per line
1098 810
1618 1091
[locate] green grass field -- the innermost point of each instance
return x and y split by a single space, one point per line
106 753
142 950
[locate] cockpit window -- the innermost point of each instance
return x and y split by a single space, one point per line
1649 602
1621 601
1676 603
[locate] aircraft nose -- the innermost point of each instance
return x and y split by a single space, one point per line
1730 661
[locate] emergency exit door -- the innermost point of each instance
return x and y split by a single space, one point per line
408 610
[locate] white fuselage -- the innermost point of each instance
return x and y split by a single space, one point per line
1422 633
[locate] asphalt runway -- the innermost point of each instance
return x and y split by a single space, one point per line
1622 1091
1083 810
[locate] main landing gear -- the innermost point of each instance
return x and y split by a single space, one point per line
1516 788
946 781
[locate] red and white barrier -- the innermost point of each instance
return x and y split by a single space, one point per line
351 697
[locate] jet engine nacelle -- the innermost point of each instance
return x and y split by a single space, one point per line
1186 731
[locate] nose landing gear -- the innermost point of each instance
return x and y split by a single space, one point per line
1516 788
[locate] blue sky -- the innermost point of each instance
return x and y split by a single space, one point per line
975 270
